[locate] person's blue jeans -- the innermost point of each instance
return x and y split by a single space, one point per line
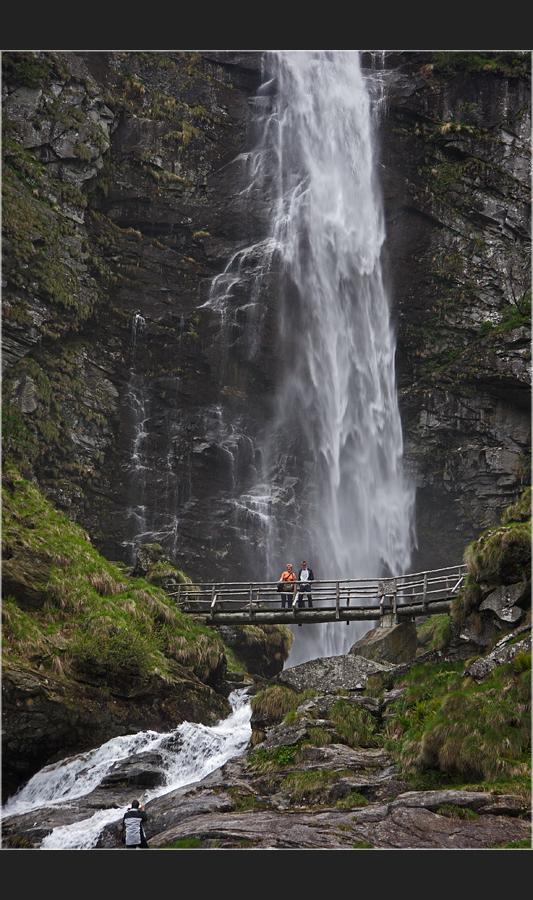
304 589
286 598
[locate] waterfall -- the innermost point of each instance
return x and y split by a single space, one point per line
315 471
190 753
331 485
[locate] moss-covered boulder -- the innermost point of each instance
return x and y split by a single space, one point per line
261 649
497 591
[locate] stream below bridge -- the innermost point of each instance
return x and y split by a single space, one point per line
66 791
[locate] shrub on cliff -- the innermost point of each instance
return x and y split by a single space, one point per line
503 555
435 633
271 705
445 726
519 511
500 556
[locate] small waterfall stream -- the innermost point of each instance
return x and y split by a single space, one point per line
201 750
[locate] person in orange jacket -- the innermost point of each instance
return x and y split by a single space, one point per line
287 581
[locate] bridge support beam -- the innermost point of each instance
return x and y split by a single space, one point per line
375 615
286 617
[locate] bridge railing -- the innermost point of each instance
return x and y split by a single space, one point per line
419 589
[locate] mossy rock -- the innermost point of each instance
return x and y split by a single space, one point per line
501 555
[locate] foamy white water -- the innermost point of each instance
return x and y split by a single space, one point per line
202 750
332 486
315 470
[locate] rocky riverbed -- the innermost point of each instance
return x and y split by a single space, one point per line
327 795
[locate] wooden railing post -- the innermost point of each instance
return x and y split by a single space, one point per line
337 601
347 604
250 608
425 592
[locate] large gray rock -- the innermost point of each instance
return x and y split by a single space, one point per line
332 673
504 602
504 804
484 666
394 644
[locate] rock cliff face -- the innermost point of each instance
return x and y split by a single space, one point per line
121 178
456 180
118 172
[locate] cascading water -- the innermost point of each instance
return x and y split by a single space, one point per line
315 471
201 750
151 515
335 445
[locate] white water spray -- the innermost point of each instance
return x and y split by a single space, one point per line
336 441
318 473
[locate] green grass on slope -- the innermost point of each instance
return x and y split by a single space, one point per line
92 612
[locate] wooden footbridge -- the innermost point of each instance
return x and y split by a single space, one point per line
387 600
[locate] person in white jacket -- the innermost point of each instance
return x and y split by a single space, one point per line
134 820
305 577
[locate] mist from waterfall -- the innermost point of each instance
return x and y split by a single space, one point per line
335 446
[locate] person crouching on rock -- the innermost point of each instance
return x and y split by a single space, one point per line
287 579
134 820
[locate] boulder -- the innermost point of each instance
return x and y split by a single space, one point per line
142 770
504 602
25 576
480 668
148 556
481 803
476 632
394 644
332 673
263 650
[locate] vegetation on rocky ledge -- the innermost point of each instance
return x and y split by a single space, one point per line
442 729
65 607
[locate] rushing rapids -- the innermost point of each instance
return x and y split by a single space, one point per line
200 750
